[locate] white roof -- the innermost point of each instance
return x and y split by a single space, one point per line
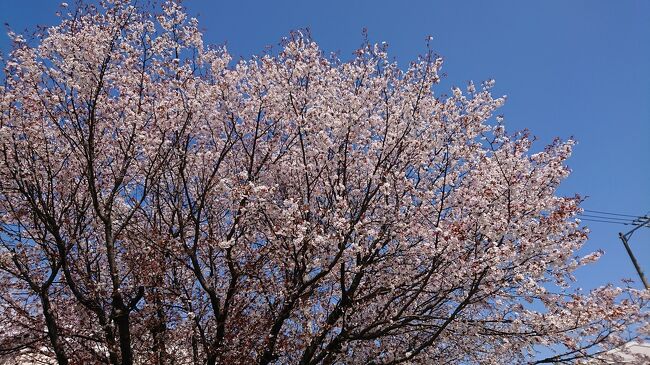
633 352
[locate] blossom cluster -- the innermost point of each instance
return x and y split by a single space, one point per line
162 204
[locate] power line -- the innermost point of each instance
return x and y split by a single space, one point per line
607 218
599 216
636 221
608 213
603 221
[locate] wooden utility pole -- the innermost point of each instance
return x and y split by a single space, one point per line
636 264
624 238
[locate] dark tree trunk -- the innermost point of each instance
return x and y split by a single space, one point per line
53 330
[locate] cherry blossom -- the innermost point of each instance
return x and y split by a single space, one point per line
163 204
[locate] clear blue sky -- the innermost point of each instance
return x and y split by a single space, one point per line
569 68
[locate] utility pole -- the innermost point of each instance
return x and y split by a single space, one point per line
624 238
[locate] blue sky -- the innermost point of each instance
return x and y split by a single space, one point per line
569 68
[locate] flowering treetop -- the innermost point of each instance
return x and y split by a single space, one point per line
163 204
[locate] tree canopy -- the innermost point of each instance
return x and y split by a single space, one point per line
163 204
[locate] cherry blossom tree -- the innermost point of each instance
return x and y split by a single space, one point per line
162 204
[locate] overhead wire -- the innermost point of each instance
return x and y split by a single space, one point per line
608 213
602 221
606 218
599 216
